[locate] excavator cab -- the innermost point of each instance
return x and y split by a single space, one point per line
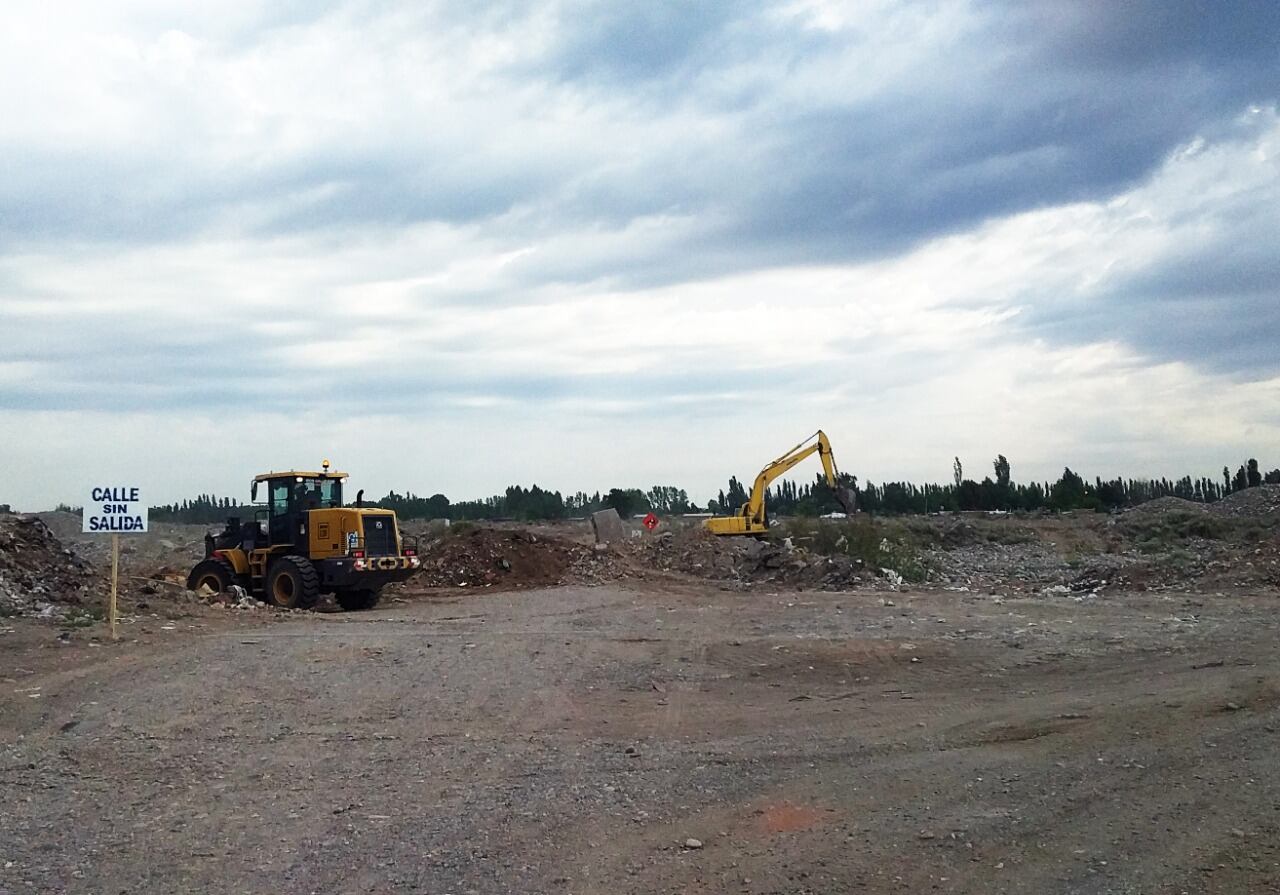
303 542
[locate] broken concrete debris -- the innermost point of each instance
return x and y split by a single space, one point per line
38 574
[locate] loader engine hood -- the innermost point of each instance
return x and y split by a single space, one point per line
345 531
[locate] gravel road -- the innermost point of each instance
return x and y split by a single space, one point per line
658 739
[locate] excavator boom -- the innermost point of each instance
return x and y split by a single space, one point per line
751 518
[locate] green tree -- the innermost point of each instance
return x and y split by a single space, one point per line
737 495
1255 477
627 501
668 499
1002 471
1241 481
1071 493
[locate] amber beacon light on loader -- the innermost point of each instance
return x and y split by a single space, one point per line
303 541
751 518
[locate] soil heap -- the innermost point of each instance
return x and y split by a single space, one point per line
487 557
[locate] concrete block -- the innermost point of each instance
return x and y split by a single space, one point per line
607 526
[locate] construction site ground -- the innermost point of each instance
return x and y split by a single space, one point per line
656 732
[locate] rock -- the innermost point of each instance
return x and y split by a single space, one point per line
693 843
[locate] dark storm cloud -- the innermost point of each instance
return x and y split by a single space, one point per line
1120 36
1085 98
1212 301
959 140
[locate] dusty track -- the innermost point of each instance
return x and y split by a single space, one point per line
571 739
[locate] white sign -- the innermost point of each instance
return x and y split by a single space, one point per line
115 510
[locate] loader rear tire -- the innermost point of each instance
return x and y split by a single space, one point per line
216 574
293 583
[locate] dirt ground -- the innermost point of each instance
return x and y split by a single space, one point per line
651 736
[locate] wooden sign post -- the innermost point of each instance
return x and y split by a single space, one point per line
115 584
115 510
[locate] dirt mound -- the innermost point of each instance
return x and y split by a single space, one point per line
486 557
746 561
1263 500
38 575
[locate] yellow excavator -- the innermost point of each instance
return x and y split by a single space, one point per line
751 519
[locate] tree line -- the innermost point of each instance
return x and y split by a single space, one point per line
1071 491
995 492
535 504
205 509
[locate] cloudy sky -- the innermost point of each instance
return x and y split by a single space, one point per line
592 244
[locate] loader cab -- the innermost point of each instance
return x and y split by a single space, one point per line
289 496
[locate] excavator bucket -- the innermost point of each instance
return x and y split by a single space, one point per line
848 502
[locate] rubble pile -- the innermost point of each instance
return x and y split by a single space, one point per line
486 557
744 562
1263 500
38 575
998 567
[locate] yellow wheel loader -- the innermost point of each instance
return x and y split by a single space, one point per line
303 541
751 518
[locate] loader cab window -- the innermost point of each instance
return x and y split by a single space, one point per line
279 498
330 493
301 493
317 494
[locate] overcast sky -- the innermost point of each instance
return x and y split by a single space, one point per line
618 244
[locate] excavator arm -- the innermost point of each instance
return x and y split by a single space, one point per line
751 517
